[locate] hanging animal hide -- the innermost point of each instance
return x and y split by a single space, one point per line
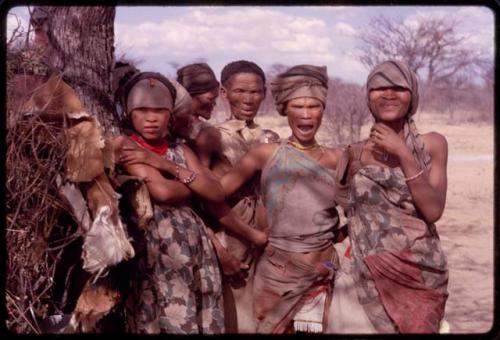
95 302
106 243
85 159
54 101
137 194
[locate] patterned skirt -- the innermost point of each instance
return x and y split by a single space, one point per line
177 286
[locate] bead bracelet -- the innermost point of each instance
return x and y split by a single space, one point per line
186 180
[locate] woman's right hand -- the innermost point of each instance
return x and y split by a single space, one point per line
258 237
230 264
130 155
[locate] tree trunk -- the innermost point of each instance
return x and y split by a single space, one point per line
81 46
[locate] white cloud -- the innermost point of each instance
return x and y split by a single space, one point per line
251 32
344 29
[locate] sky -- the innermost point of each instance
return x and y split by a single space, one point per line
164 38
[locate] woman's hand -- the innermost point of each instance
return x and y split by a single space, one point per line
130 155
387 139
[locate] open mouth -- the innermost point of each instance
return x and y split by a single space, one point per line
305 128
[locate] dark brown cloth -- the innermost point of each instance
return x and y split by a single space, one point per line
394 73
197 78
299 81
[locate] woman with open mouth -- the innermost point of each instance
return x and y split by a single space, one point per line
297 183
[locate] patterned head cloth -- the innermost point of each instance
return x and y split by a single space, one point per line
182 99
241 66
197 78
397 73
300 81
149 92
394 73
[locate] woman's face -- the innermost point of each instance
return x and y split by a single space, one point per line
389 103
203 104
304 117
151 124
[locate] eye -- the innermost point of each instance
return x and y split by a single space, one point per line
400 89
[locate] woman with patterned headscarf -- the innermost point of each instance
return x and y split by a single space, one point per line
297 179
393 188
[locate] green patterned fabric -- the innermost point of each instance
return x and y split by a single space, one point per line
178 285
399 268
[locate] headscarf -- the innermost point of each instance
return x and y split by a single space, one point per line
241 66
394 73
182 99
397 73
299 81
149 92
197 78
120 75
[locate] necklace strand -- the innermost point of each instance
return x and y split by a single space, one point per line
302 147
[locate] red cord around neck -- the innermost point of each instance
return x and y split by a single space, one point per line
158 149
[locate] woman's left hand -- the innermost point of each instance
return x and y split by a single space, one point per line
134 156
387 139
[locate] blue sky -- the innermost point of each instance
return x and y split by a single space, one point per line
322 35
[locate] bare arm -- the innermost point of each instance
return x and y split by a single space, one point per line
253 161
207 144
429 188
231 221
161 189
205 184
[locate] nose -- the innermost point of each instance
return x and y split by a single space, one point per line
151 116
306 113
247 98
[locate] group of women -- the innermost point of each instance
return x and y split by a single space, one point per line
392 187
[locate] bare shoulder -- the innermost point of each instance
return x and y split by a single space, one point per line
436 144
122 141
208 133
264 150
118 141
332 156
186 149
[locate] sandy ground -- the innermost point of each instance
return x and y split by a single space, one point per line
466 227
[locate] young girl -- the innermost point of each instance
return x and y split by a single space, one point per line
178 287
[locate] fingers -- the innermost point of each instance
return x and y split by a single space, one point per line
124 158
375 134
130 148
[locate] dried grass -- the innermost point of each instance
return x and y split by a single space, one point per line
35 158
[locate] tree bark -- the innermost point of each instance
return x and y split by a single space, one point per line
81 46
